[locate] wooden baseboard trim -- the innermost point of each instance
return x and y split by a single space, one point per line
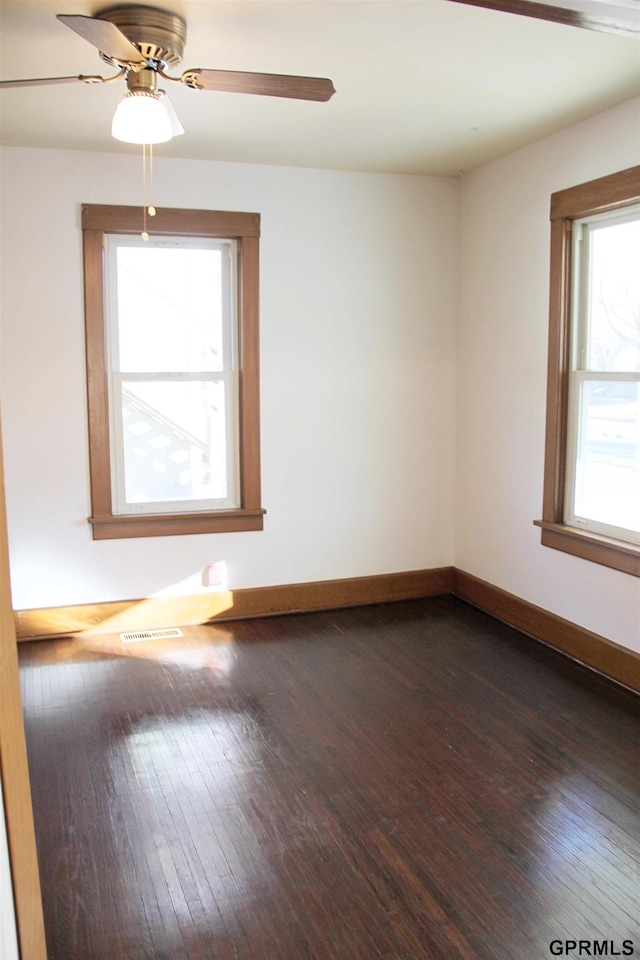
113 617
614 661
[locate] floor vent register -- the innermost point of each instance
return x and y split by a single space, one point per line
150 635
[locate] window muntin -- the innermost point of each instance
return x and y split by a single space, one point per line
603 436
172 378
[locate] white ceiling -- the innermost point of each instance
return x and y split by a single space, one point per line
425 86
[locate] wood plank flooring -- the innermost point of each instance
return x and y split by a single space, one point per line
410 781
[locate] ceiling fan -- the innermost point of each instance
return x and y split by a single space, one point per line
143 43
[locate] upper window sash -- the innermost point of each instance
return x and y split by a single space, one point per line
583 233
227 250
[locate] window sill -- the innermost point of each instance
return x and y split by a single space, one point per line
175 524
590 546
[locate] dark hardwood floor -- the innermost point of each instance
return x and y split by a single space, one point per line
413 781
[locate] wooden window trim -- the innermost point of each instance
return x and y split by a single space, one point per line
597 196
99 220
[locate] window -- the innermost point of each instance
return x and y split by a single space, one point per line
603 443
172 372
591 502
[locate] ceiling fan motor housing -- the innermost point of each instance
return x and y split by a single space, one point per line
159 35
143 81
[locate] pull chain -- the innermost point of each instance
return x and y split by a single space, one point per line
147 205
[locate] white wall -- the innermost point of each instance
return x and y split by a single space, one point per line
359 284
502 357
358 301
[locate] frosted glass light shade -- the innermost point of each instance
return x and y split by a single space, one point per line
141 117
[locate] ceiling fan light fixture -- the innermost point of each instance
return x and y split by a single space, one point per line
141 117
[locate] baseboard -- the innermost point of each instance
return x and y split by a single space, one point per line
113 617
614 661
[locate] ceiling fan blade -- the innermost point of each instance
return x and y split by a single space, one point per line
42 81
264 84
609 16
104 35
176 127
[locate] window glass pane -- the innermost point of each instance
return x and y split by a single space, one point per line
170 309
614 291
608 464
174 441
